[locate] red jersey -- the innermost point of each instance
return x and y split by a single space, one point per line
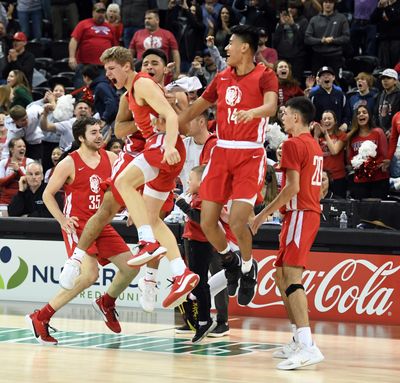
160 39
207 149
84 195
93 40
192 229
334 164
377 136
304 155
9 179
394 135
233 93
144 115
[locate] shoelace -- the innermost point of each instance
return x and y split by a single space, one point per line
171 282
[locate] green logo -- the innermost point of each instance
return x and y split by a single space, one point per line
19 276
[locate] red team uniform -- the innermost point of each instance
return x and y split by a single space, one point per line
82 199
237 166
302 213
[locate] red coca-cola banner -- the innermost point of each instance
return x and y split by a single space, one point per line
339 286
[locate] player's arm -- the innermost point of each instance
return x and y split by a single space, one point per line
63 172
151 93
268 108
124 124
112 157
290 189
194 110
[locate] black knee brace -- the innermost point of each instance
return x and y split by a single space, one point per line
292 288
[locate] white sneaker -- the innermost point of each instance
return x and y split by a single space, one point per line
286 351
304 356
71 270
147 294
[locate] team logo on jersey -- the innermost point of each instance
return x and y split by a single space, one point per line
94 182
233 95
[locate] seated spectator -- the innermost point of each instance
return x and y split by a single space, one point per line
28 202
264 54
55 159
113 17
5 98
332 142
23 123
288 86
375 182
20 59
21 91
11 169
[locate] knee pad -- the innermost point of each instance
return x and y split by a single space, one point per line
292 288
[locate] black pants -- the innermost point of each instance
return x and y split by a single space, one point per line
47 150
221 299
199 257
376 189
34 151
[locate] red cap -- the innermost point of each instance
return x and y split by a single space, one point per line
20 36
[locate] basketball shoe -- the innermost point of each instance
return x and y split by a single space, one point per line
203 330
145 252
40 329
69 273
248 283
286 351
182 285
304 356
109 314
221 330
147 294
190 314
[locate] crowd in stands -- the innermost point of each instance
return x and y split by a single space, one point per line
343 55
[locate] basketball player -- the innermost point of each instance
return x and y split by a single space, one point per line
302 163
81 174
246 95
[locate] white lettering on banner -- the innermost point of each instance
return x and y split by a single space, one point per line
370 298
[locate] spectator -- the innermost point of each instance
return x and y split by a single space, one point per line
387 18
23 123
327 97
4 47
388 103
5 98
63 10
115 145
152 36
20 90
3 133
311 8
20 59
105 97
30 13
288 38
11 169
28 202
89 39
210 9
327 34
55 158
113 17
264 54
288 86
375 184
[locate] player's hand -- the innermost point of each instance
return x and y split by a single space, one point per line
68 224
129 221
210 41
256 222
243 116
171 156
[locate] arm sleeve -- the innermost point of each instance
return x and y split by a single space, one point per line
210 94
269 81
192 213
290 156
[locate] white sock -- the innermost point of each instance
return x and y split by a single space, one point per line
78 254
202 323
294 330
227 250
177 266
304 335
246 265
151 274
145 233
217 283
192 297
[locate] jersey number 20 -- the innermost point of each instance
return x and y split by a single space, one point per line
318 162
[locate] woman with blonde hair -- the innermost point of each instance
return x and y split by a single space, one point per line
5 96
113 17
21 91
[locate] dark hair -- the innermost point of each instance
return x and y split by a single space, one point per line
336 128
247 34
155 11
91 71
113 141
12 142
83 101
157 52
355 128
17 112
304 106
80 125
232 18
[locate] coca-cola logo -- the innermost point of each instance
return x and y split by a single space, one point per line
352 284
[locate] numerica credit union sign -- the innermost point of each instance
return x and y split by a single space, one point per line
339 286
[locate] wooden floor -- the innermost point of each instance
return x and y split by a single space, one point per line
149 351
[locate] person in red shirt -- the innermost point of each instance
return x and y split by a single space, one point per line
299 199
288 86
393 140
81 174
376 184
332 142
246 95
152 36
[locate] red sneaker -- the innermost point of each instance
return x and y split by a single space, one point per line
182 285
145 252
109 314
40 329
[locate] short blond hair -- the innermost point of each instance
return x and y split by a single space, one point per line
120 55
367 77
